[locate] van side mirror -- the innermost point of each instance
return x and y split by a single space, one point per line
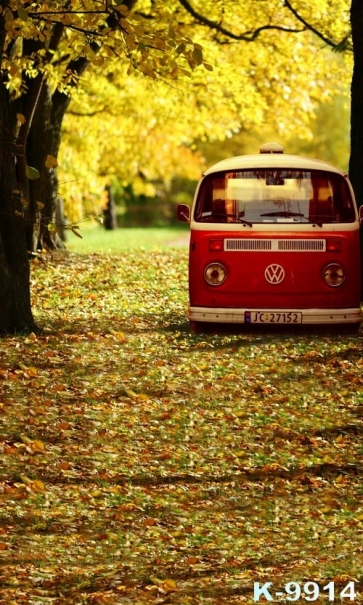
183 213
360 215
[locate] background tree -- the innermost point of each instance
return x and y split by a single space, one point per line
45 49
264 76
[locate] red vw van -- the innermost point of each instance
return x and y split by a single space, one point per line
274 240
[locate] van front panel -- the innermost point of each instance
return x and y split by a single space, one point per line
274 270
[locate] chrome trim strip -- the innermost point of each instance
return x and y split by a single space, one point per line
284 228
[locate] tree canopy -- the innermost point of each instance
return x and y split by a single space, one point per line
123 123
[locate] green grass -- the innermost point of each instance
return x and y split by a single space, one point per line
97 239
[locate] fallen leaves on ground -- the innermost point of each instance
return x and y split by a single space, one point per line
143 464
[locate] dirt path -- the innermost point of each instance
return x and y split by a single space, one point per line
179 242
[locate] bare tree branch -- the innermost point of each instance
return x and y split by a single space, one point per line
251 35
337 46
248 36
90 114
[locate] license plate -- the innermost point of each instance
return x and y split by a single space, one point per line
273 317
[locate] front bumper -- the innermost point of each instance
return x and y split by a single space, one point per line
308 316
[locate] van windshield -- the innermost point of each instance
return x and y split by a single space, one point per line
275 196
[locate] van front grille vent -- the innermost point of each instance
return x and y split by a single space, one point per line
278 245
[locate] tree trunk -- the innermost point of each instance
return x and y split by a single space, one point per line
356 131
61 221
15 307
43 141
356 121
109 213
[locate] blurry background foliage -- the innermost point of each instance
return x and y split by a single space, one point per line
151 136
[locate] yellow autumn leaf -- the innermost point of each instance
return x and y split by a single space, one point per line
241 454
169 585
208 66
119 335
25 479
96 493
21 119
197 56
32 173
66 19
37 446
23 14
25 439
13 69
37 486
99 61
122 8
164 586
326 509
51 161
74 230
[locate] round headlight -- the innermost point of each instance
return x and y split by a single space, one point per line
215 274
333 275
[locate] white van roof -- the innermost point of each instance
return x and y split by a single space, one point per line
272 160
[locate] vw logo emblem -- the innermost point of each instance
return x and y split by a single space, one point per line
274 274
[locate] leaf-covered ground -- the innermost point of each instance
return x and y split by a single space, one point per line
142 464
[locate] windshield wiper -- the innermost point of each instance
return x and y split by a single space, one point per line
282 213
212 217
288 214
